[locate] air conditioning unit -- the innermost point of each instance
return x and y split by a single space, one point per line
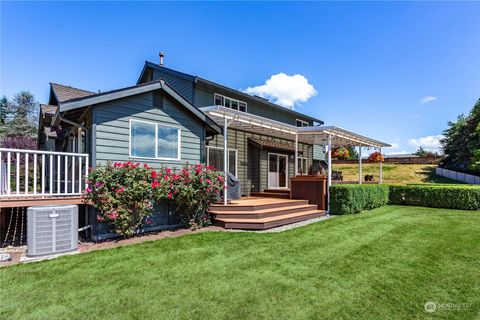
52 230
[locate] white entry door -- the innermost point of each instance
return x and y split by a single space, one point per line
277 171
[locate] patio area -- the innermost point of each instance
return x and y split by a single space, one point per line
327 136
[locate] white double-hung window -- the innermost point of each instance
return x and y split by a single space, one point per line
154 140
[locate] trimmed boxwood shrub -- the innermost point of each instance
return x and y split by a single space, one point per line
442 196
351 198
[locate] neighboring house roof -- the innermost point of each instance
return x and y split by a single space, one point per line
48 109
92 99
208 82
401 155
63 93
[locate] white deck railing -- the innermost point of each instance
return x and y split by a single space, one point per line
41 173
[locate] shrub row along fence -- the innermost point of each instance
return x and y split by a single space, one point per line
348 199
396 160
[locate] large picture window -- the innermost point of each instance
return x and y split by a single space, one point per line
153 140
215 158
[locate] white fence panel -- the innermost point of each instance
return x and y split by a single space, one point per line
458 176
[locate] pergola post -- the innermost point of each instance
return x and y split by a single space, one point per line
225 160
329 175
296 155
380 177
360 164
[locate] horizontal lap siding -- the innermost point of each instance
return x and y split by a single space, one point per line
112 121
252 164
204 96
181 85
319 152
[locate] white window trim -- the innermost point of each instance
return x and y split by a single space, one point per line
306 164
179 158
304 123
229 149
231 99
286 170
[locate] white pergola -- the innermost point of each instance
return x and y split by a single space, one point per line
328 136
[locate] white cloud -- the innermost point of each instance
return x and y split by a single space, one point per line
395 145
426 99
284 90
429 143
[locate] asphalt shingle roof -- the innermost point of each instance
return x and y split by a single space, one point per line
48 109
65 93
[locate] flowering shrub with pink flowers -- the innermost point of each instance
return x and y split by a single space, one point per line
122 194
193 189
125 194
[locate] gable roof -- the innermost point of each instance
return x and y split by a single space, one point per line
92 99
196 79
63 93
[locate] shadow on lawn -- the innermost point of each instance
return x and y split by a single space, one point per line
431 177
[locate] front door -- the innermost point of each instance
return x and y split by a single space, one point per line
277 171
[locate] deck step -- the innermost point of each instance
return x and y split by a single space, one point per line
280 195
269 222
263 213
286 191
255 204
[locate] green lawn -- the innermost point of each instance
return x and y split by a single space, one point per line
394 173
382 264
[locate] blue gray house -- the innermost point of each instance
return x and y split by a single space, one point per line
159 121
170 118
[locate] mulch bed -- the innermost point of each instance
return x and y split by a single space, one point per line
18 252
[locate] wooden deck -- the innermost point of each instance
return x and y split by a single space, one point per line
29 201
273 193
258 213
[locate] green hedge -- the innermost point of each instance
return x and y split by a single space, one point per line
442 196
350 198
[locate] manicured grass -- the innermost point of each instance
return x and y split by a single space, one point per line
382 264
394 173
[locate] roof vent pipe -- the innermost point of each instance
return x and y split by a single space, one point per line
162 55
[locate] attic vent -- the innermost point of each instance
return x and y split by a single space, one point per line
52 230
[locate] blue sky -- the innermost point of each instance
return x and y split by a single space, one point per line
370 64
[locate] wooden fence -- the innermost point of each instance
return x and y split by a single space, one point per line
396 160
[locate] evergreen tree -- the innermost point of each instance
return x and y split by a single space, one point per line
461 144
19 117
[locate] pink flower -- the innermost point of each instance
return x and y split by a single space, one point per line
113 215
121 189
170 196
99 184
88 190
154 174
168 170
155 184
99 219
209 181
